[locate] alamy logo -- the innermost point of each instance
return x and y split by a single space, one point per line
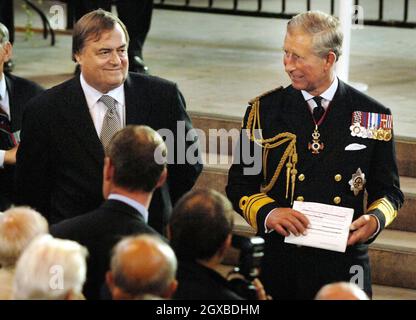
56 281
57 18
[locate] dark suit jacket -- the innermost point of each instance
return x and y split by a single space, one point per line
290 271
20 92
99 231
197 282
60 159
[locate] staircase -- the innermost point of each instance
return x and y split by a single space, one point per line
393 254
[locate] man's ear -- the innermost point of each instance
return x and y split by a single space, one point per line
8 51
109 280
331 59
162 178
225 245
170 291
108 170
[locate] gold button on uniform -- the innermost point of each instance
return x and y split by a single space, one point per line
300 198
337 200
301 177
338 177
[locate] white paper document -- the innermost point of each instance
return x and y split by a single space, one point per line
329 226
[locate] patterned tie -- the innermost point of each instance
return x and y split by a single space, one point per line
5 123
318 111
111 122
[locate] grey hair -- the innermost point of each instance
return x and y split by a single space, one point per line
325 31
4 34
158 283
50 269
18 227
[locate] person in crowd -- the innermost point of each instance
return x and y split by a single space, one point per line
341 291
18 227
321 141
67 129
15 92
50 269
200 233
142 268
130 176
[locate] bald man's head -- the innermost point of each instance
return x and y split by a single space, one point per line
142 265
341 291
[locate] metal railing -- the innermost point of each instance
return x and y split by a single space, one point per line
210 7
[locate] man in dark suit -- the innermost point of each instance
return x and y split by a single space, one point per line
7 18
130 176
321 141
200 234
66 129
14 93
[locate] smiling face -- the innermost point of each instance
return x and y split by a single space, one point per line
104 62
306 69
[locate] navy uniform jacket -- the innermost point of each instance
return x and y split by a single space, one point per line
291 271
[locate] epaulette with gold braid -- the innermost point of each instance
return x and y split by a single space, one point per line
289 159
264 94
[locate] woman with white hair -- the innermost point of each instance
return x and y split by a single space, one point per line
50 269
18 227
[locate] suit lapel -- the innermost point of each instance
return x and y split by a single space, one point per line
300 122
138 103
76 112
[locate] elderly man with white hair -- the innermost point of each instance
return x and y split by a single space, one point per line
50 269
18 227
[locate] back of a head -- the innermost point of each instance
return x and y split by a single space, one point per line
324 28
138 154
201 222
143 265
4 34
50 269
341 291
18 227
91 26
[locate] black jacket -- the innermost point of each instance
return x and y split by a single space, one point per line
60 159
197 282
20 92
99 231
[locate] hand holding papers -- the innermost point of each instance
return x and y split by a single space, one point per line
329 226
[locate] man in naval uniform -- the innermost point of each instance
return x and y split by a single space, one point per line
321 141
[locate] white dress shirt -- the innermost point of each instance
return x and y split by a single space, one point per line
98 109
132 203
327 95
4 102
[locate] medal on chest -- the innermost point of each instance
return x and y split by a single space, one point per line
316 145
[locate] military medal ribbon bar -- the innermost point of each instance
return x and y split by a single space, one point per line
377 126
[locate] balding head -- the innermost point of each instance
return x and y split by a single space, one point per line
18 227
142 265
341 291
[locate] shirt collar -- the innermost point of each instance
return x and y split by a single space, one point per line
132 203
328 94
92 95
3 87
